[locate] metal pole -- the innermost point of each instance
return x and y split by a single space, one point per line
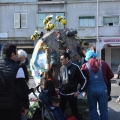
98 50
97 22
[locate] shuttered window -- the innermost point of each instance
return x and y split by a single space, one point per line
20 20
111 21
17 20
23 20
87 21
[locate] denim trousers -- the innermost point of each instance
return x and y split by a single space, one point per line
98 95
24 117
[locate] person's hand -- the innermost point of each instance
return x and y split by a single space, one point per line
34 100
59 96
76 94
24 111
35 89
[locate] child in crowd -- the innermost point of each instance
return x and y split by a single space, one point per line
58 114
55 102
47 82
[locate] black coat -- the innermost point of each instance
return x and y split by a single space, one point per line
49 85
24 67
13 91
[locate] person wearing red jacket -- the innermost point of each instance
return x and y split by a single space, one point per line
98 75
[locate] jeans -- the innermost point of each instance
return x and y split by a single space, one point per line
24 117
98 95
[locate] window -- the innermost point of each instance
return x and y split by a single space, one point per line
87 21
20 20
111 21
42 16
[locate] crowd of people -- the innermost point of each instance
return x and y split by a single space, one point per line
93 76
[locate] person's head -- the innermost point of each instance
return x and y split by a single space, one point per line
64 58
55 101
49 74
10 51
90 54
22 55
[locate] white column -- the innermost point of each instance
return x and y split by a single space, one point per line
98 49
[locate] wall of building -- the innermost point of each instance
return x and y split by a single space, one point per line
76 10
3 1
7 19
73 10
107 8
18 36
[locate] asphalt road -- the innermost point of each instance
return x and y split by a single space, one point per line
113 107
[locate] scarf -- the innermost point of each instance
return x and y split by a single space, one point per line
64 73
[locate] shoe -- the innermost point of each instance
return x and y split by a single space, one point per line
118 100
109 98
81 117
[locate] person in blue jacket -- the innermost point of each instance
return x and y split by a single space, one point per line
55 102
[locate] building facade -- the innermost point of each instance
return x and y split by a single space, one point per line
97 23
17 23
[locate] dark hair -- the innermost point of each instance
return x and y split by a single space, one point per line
8 49
48 74
54 99
66 55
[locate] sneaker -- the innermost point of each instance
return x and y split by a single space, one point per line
118 99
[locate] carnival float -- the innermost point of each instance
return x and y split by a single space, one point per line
50 45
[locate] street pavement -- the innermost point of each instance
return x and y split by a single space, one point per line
113 107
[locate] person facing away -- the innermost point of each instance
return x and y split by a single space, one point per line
47 82
13 88
55 106
118 72
118 82
98 75
70 75
22 55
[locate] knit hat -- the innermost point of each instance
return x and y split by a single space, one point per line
90 54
